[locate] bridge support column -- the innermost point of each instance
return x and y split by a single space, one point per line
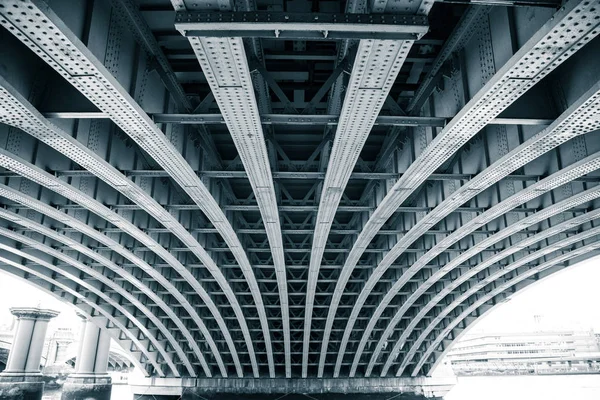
22 378
90 380
419 388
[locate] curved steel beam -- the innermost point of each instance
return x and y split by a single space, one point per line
45 179
16 111
225 65
565 257
74 245
493 260
11 267
108 300
82 268
554 181
70 58
376 66
518 75
583 113
364 99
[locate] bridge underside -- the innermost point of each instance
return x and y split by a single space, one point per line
290 188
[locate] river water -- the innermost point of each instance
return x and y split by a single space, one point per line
550 387
546 387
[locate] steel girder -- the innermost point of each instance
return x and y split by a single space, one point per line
74 245
363 100
281 25
294 119
582 117
581 251
79 268
88 75
556 246
225 66
518 75
581 198
19 113
114 323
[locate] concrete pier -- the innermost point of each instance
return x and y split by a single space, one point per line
22 378
90 380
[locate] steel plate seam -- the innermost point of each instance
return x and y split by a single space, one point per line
4 263
564 257
68 56
519 74
580 118
15 111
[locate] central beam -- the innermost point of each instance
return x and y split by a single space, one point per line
284 25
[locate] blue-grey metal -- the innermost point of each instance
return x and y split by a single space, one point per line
555 180
300 25
90 77
255 212
501 287
517 76
116 329
225 65
579 119
17 112
376 66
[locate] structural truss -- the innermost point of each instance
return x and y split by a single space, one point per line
290 188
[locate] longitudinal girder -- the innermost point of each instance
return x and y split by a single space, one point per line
282 189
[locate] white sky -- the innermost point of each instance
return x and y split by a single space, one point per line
568 299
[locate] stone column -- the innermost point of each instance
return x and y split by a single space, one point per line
90 380
22 378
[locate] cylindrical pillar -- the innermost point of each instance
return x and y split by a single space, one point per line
90 380
22 378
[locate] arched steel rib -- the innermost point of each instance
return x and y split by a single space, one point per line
569 125
364 99
556 180
239 109
565 257
45 179
79 266
376 66
225 65
69 57
43 230
159 347
7 266
16 111
490 262
519 74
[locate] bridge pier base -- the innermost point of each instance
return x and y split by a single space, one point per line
22 378
90 380
271 389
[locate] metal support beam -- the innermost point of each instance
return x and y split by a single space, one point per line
582 113
278 25
225 66
91 78
515 78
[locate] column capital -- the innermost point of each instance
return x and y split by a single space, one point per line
33 313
